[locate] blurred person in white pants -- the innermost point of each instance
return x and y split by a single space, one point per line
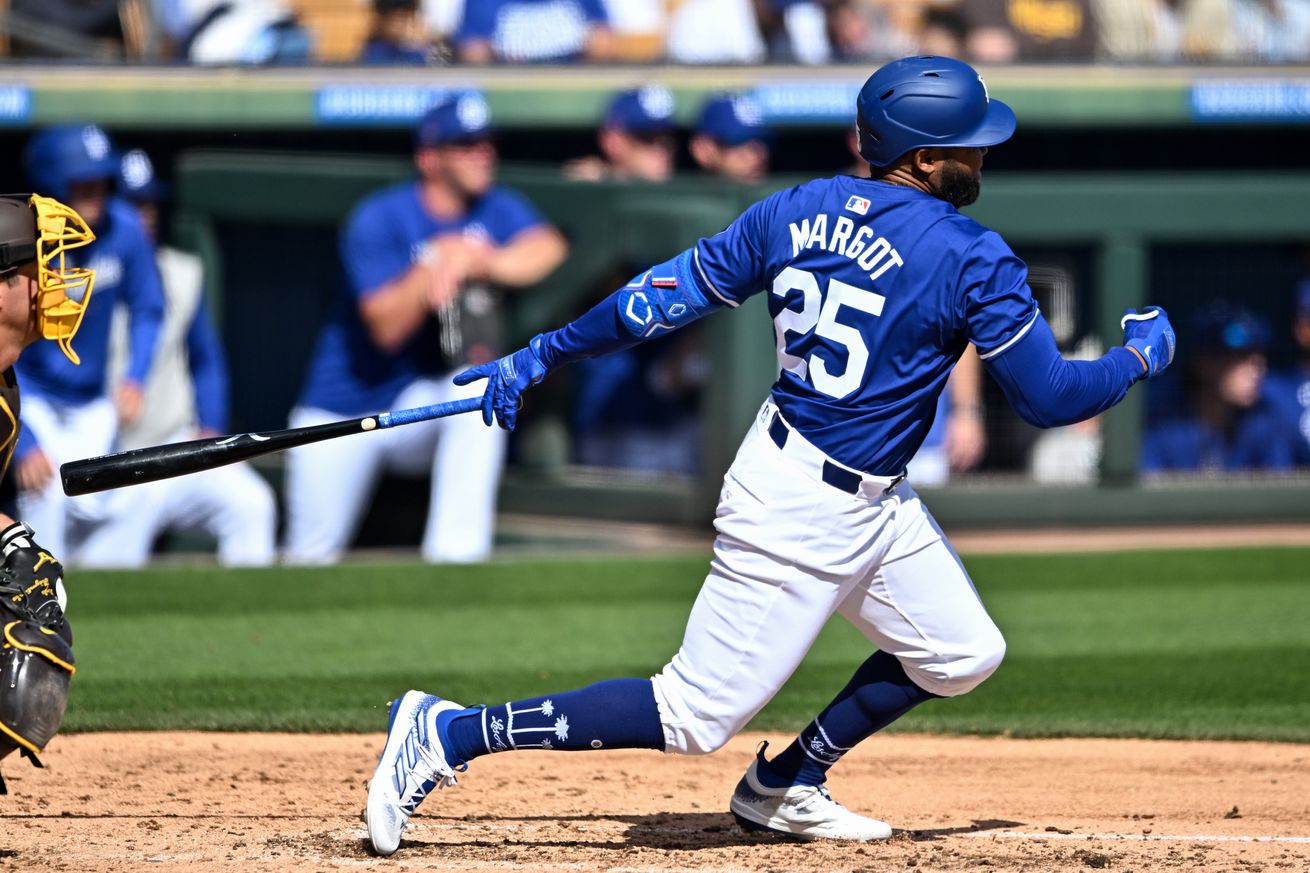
186 397
422 261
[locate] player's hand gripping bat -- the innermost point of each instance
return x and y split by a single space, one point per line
153 463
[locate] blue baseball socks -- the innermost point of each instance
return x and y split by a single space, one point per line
877 695
614 714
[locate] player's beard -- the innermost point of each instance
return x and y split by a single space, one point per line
957 186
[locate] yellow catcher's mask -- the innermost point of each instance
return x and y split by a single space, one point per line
62 291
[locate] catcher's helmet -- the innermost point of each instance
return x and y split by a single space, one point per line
923 102
18 238
59 156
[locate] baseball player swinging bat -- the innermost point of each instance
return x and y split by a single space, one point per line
153 463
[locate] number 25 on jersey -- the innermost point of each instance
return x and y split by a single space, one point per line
818 315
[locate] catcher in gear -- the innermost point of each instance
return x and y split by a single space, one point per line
42 296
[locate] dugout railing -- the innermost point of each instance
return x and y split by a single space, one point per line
266 225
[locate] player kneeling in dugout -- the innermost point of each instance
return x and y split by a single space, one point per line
41 297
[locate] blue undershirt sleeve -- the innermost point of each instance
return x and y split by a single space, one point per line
1048 391
208 371
659 301
144 295
27 442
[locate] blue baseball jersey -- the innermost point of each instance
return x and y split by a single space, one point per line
1288 393
124 263
1259 439
875 290
384 237
528 31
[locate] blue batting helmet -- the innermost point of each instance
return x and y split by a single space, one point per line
923 102
59 156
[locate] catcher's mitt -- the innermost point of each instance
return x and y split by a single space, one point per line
31 580
36 645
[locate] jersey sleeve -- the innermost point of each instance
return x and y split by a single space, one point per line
513 214
478 20
998 306
594 12
373 252
731 264
143 293
208 371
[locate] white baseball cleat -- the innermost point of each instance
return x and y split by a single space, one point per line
413 762
804 811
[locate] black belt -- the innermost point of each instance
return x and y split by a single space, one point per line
838 477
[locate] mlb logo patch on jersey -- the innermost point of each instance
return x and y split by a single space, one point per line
857 204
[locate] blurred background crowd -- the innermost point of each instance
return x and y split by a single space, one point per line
416 32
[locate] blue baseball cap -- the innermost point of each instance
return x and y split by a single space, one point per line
646 110
137 180
732 119
461 118
1221 326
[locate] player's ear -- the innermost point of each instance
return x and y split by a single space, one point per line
925 160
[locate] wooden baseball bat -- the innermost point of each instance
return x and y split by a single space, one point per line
152 463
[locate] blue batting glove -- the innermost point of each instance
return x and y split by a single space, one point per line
507 379
1151 337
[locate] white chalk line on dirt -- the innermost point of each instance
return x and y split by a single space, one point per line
1148 838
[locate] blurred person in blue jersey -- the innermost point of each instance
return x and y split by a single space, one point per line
1289 389
424 262
396 36
534 32
186 397
69 411
731 139
636 139
1225 421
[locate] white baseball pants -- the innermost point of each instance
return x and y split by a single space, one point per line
792 550
66 433
329 484
232 504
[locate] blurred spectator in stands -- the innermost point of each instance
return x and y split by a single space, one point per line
1164 30
1226 422
1289 390
876 29
942 30
69 29
796 31
1006 31
639 29
256 32
1272 31
731 139
636 139
186 397
533 32
715 32
396 35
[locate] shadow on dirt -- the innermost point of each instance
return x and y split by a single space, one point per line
686 831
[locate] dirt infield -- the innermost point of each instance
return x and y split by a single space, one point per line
273 802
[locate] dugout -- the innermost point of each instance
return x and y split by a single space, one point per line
1118 181
266 222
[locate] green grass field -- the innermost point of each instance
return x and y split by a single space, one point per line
1199 644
